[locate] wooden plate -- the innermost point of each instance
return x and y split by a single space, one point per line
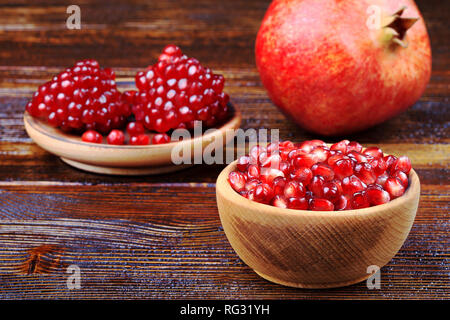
124 159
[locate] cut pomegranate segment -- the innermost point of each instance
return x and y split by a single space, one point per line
178 90
311 176
82 97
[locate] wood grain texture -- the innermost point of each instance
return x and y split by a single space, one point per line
142 246
160 236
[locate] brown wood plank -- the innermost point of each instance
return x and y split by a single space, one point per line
27 162
204 28
160 236
140 27
131 241
425 122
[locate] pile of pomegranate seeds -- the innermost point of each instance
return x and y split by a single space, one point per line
81 98
313 176
173 93
178 90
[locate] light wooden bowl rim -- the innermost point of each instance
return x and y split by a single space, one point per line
68 138
224 188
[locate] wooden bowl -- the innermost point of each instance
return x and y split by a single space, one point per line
314 249
124 159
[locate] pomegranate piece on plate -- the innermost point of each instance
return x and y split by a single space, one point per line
81 98
176 91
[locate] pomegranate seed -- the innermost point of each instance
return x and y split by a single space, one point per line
255 152
316 186
331 191
354 146
297 203
323 170
278 185
340 146
284 153
243 163
286 145
135 128
308 146
356 156
320 154
379 166
359 200
253 171
381 180
317 204
160 138
141 140
294 189
402 177
250 195
279 201
129 97
237 180
338 185
351 185
263 193
92 136
285 167
273 148
115 137
402 164
268 175
365 172
262 157
295 153
272 161
251 184
389 161
374 152
303 175
394 187
343 168
376 195
336 157
342 203
306 160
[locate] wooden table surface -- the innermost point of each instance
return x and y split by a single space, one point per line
160 236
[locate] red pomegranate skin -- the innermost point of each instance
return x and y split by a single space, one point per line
326 70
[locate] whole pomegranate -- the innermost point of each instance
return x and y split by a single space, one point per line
336 67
